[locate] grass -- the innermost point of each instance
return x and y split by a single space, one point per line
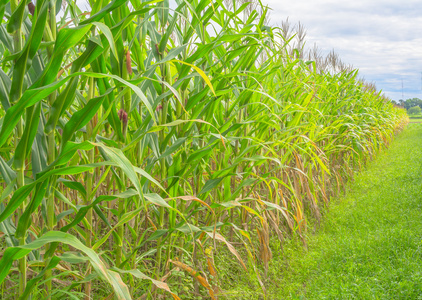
415 118
370 243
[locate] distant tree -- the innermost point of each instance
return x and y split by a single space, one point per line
411 103
415 110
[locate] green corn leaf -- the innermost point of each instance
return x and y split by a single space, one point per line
117 156
200 72
69 150
31 127
24 58
174 52
15 21
14 253
188 228
6 171
109 36
210 184
5 85
83 210
74 185
109 105
173 147
123 220
2 8
25 220
32 96
29 98
17 199
157 200
33 282
163 11
157 234
39 152
149 177
80 118
73 257
61 103
8 190
67 37
104 11
35 39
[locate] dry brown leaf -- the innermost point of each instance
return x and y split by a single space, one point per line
196 275
211 268
210 258
163 279
192 198
264 245
285 215
230 246
152 224
163 286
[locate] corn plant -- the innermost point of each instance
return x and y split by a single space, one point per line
136 137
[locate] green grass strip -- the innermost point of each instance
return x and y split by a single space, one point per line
415 118
370 243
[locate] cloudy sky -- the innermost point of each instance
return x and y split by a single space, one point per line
382 38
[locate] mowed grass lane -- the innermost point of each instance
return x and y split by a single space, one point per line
370 243
415 118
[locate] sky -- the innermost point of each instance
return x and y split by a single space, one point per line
381 38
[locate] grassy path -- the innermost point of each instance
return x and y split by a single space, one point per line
370 243
415 119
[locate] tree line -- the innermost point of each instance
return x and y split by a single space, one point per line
409 103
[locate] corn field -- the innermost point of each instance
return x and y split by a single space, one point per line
139 139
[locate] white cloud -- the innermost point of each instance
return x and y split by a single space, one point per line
380 38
